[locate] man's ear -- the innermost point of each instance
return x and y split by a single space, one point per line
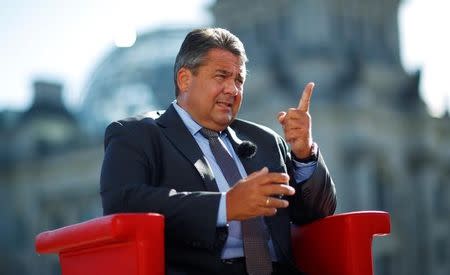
184 77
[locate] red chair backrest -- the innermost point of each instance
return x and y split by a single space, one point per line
339 244
131 244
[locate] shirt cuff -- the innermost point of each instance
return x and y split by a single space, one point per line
303 171
222 215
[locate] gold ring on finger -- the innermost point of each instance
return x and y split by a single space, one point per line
267 201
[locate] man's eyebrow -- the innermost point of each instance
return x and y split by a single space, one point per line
223 71
241 75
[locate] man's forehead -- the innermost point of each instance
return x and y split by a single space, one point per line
226 69
224 55
223 60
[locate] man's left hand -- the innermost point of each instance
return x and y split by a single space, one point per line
296 124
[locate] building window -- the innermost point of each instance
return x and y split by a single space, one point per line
383 265
440 200
442 253
383 190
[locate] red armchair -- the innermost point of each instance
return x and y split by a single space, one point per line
134 244
131 244
339 244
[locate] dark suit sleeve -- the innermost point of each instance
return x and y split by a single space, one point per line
315 198
129 183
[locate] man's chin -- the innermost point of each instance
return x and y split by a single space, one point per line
223 123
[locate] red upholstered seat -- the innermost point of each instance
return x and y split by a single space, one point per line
339 244
120 244
133 244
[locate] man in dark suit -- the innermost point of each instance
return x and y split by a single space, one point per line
228 188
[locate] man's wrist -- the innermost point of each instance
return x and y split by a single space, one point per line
313 156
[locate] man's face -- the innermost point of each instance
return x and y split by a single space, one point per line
213 95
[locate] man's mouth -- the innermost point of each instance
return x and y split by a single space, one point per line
224 103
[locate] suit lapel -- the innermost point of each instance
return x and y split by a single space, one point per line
174 129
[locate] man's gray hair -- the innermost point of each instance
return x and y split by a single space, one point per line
197 44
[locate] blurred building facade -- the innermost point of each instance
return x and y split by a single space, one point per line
48 178
383 149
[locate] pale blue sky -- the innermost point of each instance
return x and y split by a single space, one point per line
63 40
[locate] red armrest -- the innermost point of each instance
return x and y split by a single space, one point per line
339 244
115 244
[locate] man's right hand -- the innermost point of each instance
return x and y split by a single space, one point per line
253 195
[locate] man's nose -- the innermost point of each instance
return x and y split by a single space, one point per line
231 88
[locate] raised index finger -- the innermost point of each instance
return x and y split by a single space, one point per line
303 105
